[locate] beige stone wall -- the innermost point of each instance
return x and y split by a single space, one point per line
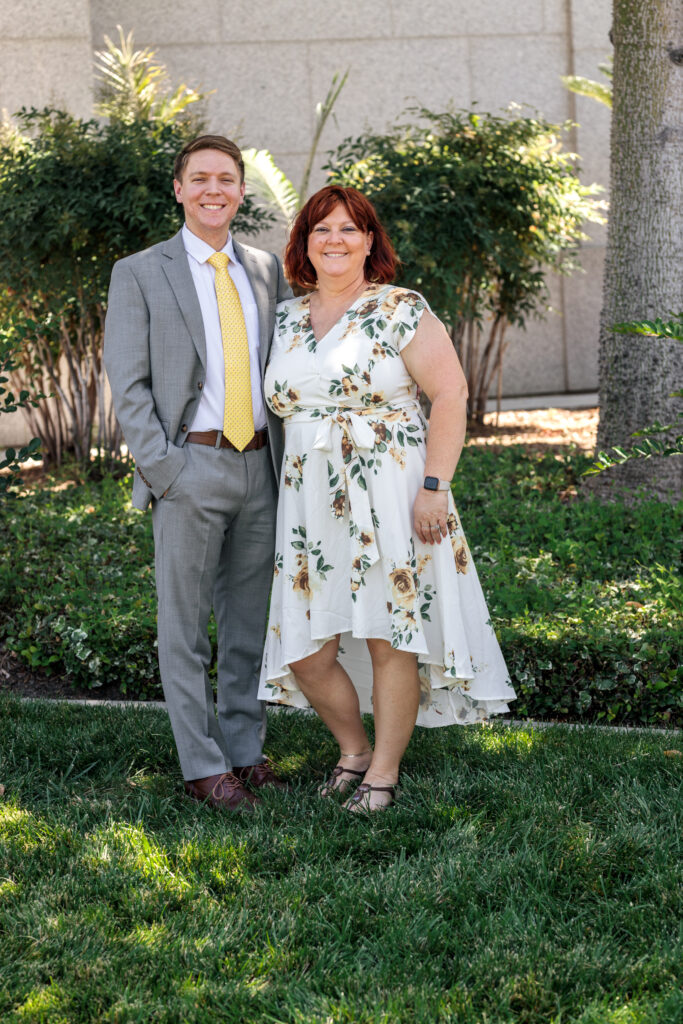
45 55
270 61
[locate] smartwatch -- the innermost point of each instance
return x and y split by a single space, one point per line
432 483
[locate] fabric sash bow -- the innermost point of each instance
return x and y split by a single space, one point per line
347 438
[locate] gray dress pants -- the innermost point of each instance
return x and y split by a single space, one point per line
214 535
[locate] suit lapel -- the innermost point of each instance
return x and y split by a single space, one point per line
177 270
251 265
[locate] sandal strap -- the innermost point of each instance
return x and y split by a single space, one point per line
366 787
339 769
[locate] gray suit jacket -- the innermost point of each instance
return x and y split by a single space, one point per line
155 354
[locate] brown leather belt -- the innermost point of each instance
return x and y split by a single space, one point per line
210 437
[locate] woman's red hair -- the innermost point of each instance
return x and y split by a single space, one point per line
380 265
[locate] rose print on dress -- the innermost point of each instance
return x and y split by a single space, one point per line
294 470
351 384
301 580
461 554
399 456
300 331
359 567
337 493
283 398
452 524
403 590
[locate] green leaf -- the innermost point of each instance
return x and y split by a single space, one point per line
266 182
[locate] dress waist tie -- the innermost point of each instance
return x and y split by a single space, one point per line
348 438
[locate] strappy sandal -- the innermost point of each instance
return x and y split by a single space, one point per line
366 790
329 787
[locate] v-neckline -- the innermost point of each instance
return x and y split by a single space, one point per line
307 300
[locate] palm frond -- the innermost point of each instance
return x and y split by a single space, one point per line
133 84
265 181
322 113
587 87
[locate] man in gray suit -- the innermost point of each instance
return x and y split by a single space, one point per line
172 373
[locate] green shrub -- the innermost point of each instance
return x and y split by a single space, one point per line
585 597
479 207
77 586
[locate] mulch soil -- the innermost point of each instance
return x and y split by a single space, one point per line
22 681
538 429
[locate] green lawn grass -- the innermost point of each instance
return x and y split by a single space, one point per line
527 876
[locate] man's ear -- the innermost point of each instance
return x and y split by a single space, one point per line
178 189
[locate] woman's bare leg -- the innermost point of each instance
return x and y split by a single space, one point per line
396 699
327 687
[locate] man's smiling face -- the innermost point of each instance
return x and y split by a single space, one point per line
211 192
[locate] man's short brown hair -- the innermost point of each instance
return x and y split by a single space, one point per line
207 142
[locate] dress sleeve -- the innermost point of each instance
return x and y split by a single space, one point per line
406 317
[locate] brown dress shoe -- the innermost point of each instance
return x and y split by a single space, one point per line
259 775
224 791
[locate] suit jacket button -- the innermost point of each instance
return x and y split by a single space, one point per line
200 385
184 428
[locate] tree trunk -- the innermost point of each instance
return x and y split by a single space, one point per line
644 262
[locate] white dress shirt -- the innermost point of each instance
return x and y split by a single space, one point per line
209 415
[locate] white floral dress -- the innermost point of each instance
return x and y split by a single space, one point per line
347 560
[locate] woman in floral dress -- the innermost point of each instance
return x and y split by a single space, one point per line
376 605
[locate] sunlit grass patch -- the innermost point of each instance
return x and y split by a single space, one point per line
131 851
519 740
8 887
48 1003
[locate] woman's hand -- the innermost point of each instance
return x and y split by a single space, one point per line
429 515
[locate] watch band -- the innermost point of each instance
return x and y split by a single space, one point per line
432 483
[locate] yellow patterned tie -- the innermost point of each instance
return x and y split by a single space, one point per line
238 415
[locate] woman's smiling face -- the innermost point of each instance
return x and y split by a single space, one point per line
337 247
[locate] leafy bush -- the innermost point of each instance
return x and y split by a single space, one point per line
77 585
479 208
585 596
